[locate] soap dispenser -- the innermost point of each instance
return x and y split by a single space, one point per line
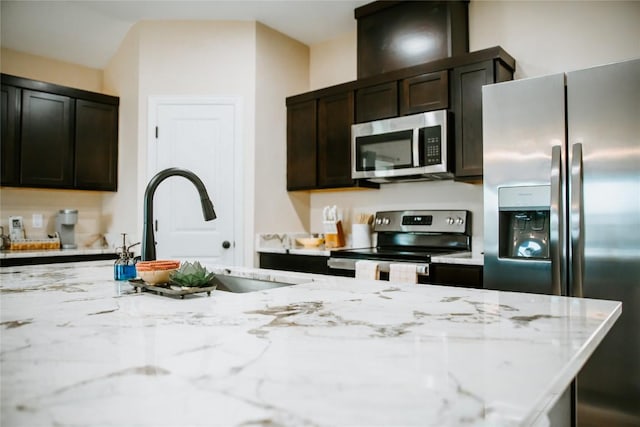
125 266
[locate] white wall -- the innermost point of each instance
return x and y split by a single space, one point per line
282 69
122 211
212 58
333 61
548 37
543 36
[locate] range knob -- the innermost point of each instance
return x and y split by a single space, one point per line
378 221
459 221
450 221
385 221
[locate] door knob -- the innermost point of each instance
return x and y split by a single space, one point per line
226 244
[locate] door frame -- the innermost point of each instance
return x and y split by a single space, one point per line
155 101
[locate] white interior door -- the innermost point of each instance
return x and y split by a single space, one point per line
198 136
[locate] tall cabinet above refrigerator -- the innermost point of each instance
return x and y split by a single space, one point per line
562 211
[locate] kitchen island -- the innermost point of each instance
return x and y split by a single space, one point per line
78 348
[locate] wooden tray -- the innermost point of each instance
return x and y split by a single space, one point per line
166 290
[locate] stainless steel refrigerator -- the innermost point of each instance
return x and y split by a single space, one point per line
562 211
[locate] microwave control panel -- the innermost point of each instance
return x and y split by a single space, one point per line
431 145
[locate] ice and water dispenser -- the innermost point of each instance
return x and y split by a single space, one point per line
524 222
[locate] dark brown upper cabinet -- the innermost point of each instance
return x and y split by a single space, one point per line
377 102
393 35
466 94
10 155
323 118
46 143
58 137
417 94
319 141
302 145
425 92
96 153
335 117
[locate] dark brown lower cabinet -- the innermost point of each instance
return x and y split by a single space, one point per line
468 276
55 259
299 263
46 143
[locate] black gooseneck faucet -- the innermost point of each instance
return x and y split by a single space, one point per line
148 238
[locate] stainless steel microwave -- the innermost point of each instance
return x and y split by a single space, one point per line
403 148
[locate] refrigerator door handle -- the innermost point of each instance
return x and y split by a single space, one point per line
577 221
556 231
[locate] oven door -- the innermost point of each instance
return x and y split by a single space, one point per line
346 267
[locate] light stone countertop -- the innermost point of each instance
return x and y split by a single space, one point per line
78 348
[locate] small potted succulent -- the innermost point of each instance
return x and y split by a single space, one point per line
191 275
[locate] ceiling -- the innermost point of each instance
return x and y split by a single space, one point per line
89 32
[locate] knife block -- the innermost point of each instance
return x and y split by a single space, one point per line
334 239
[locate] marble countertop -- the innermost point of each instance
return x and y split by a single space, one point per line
78 348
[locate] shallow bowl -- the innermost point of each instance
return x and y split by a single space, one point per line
155 272
310 242
155 277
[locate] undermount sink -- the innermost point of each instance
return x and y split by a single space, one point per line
244 284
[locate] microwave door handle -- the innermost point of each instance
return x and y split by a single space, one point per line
416 147
556 239
577 221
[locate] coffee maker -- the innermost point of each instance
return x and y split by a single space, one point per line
65 223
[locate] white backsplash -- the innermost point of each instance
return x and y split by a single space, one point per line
28 201
400 196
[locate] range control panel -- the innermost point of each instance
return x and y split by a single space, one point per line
425 221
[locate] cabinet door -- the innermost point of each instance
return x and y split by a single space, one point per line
469 276
466 90
425 92
377 102
335 117
301 263
10 155
96 148
46 143
301 146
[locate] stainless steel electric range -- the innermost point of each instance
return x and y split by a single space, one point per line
411 236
